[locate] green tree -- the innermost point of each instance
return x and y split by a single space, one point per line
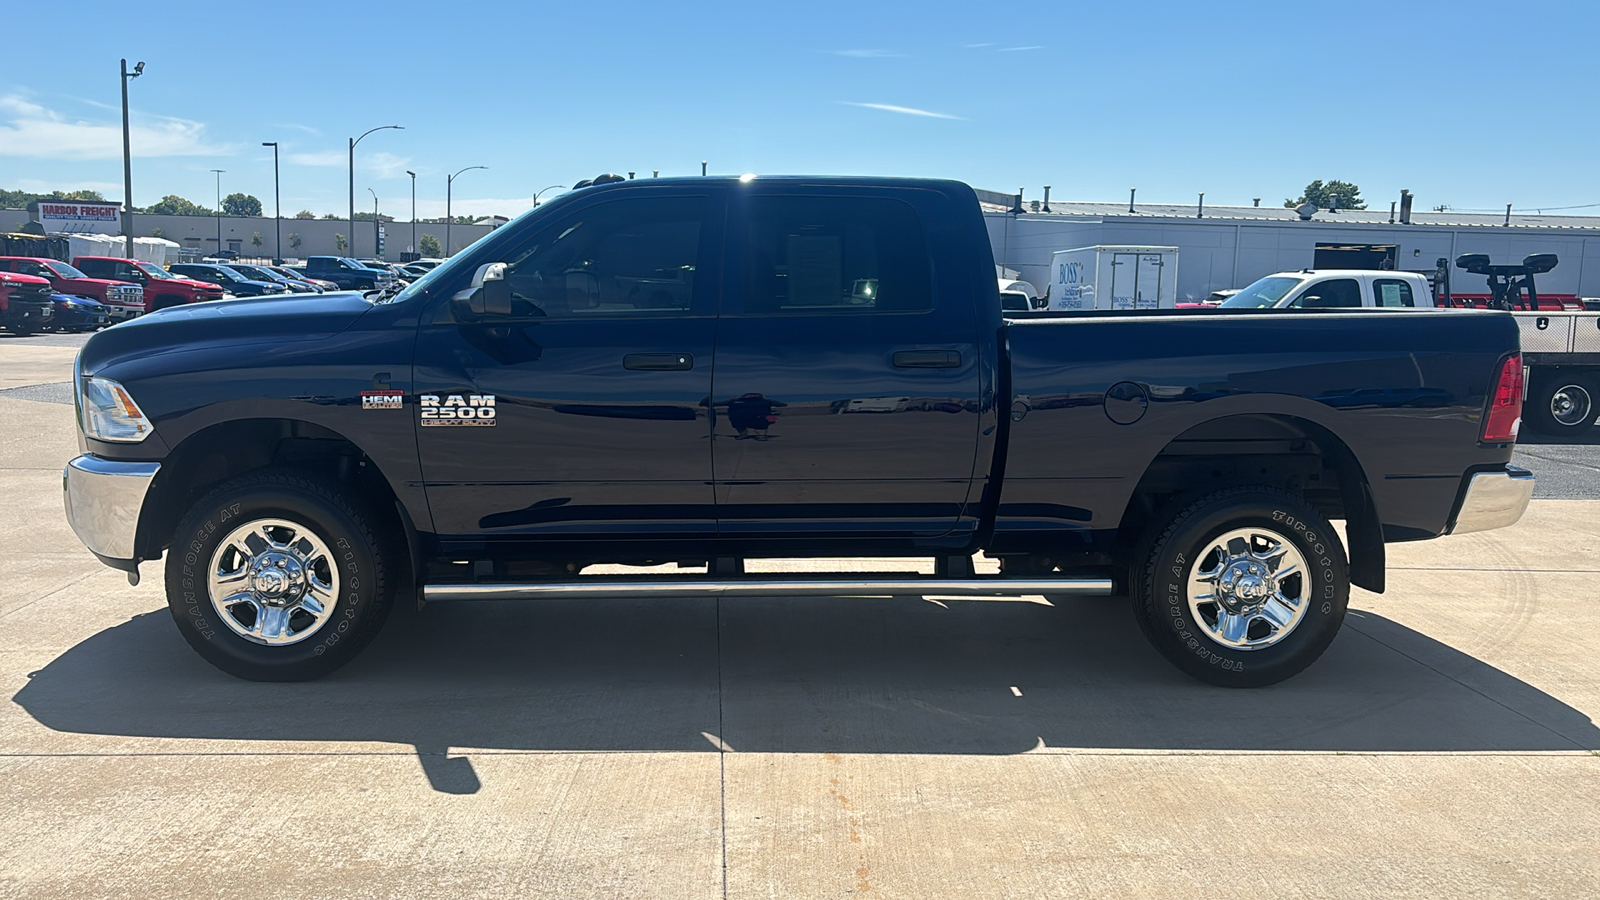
305 214
367 217
157 233
339 242
1333 195
255 240
428 245
294 239
334 216
240 205
173 205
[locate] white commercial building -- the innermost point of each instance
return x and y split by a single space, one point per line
1231 246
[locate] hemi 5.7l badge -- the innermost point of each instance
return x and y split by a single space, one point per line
457 409
383 400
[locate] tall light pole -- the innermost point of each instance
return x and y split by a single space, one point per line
353 142
277 206
375 223
542 190
412 248
219 209
127 161
449 219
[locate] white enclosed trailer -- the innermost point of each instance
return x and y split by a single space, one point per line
1114 276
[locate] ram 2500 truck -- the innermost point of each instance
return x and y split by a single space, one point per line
122 300
161 288
704 371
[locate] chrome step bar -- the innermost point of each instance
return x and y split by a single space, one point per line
790 587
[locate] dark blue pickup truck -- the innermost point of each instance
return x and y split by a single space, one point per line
348 274
706 371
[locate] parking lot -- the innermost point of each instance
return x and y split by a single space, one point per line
906 747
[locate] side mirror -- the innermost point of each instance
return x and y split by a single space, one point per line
490 293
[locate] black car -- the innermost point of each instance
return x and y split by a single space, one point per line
78 313
262 273
230 280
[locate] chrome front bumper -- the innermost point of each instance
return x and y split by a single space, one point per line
1494 500
103 499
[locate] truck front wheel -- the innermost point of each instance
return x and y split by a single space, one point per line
1562 405
277 576
1242 587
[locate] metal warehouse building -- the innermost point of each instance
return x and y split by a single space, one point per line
1222 247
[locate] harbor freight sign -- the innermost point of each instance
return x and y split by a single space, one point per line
74 217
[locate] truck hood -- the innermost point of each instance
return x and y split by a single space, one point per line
252 322
20 279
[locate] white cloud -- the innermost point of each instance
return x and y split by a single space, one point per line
979 46
867 53
1015 49
28 129
381 164
903 110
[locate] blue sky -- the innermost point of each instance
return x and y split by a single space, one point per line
1239 100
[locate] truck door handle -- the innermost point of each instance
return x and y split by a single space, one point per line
927 359
658 362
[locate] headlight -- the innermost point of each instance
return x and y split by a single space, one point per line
108 413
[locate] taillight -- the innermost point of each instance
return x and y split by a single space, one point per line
1504 415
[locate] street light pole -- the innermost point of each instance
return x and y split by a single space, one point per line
412 248
542 190
219 209
127 162
353 142
449 216
277 206
375 223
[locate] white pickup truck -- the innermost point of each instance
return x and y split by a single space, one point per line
1560 348
1322 289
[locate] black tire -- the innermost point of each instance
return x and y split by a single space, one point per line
1181 542
1562 404
22 330
353 547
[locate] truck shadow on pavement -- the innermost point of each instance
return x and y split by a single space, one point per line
900 675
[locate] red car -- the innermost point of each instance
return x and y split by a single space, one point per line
161 288
25 304
123 300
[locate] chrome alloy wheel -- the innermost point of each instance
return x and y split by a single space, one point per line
1248 588
1572 405
273 582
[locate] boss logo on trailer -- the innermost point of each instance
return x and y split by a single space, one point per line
457 409
383 400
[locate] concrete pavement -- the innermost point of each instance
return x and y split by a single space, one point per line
1445 746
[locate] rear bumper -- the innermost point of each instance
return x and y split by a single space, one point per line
104 498
1493 500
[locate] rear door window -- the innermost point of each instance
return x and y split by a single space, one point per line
1392 292
835 255
1335 293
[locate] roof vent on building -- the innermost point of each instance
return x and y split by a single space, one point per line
1306 211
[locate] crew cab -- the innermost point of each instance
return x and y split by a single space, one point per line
704 371
26 304
121 299
161 288
348 274
1335 289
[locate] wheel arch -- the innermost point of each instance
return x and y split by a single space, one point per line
224 450
1275 449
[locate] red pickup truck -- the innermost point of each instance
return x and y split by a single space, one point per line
25 304
161 288
122 299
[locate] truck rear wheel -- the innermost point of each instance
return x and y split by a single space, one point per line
277 576
1562 405
1242 587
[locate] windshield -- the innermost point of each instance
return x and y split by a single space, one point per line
65 271
154 271
1263 294
254 272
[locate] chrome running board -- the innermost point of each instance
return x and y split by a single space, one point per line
789 587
